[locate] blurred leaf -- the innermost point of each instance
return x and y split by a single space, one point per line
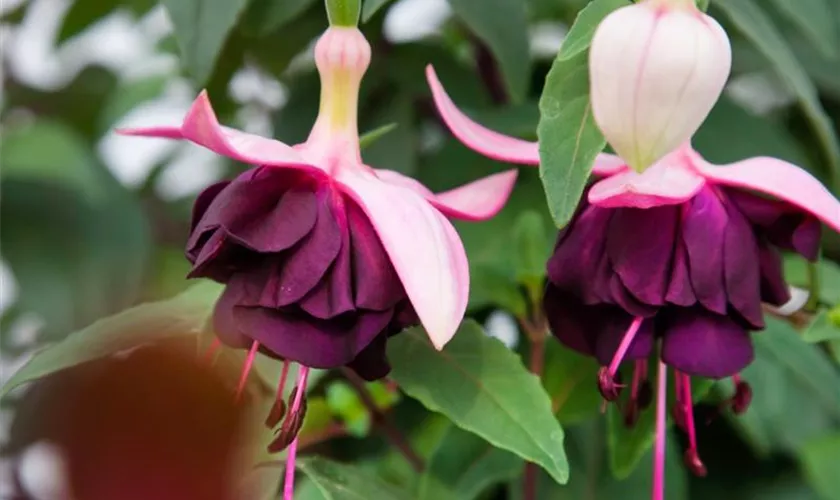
83 13
490 287
201 27
531 248
816 21
294 120
788 373
371 7
318 416
758 28
127 96
628 445
592 480
264 16
519 119
570 379
796 274
275 50
821 329
399 152
53 152
484 388
374 135
730 134
463 466
346 482
569 138
581 33
346 405
820 459
424 439
502 25
184 314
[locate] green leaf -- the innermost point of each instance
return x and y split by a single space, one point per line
586 445
483 388
464 466
84 13
531 248
346 405
796 274
400 151
368 138
569 138
201 28
264 16
821 329
815 20
569 378
371 7
628 445
820 458
126 97
184 314
581 33
788 373
346 482
758 28
503 26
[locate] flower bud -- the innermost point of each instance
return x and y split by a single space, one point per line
656 69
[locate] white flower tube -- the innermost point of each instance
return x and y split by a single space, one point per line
656 70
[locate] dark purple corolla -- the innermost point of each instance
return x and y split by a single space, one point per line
307 277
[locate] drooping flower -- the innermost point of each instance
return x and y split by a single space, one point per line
648 60
324 257
681 255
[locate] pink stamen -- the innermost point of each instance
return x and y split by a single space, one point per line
281 386
246 369
210 353
692 457
625 344
289 485
659 446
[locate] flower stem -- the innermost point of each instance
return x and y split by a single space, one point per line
659 447
381 420
536 330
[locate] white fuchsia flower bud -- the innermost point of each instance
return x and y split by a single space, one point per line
656 69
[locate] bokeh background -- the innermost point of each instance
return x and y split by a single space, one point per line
93 222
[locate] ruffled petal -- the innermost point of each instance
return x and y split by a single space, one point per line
424 248
487 142
376 285
701 343
742 273
640 243
780 179
476 201
202 127
333 295
668 182
680 292
704 228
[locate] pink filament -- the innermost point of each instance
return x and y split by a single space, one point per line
289 485
659 446
246 369
689 411
281 386
625 344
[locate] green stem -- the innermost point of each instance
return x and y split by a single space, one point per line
813 287
343 12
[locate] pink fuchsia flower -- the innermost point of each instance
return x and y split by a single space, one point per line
656 68
323 256
682 254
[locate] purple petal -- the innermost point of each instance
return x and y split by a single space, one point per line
292 218
774 289
223 321
307 262
333 295
203 201
640 243
680 292
577 257
704 229
741 268
372 364
705 344
783 224
315 343
376 284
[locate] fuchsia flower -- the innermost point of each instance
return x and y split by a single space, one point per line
682 254
323 256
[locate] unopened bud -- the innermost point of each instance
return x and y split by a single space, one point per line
656 70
